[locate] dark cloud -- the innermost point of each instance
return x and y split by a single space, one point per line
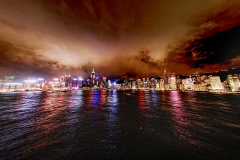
204 53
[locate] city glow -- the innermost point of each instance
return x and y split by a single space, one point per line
30 81
13 83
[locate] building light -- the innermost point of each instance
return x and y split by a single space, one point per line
30 81
13 83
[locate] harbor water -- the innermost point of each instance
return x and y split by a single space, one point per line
115 124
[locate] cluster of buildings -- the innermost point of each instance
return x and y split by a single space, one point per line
196 82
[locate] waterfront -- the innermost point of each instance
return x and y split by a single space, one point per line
116 124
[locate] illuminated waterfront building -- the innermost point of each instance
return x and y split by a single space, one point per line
129 85
138 83
215 83
9 78
157 85
233 81
172 82
187 84
68 81
133 85
165 77
62 82
30 83
161 84
109 84
104 79
93 77
144 82
10 86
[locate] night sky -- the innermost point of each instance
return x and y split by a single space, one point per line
118 37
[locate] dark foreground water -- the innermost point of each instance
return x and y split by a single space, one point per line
119 125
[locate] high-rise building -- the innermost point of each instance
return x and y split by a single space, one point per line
165 77
109 84
161 84
104 79
187 84
215 83
172 82
138 83
133 84
233 81
62 82
68 81
93 76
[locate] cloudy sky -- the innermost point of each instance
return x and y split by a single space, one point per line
118 37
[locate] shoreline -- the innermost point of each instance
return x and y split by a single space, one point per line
54 91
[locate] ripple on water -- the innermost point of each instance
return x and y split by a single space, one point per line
119 125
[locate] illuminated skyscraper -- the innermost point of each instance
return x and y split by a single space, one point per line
233 82
104 79
215 83
93 76
165 77
68 81
62 81
172 81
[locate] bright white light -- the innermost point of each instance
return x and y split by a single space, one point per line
12 83
30 81
40 79
114 83
74 79
55 79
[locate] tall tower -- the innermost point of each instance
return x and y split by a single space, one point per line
93 76
165 77
68 81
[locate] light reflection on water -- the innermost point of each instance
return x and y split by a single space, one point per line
110 124
181 126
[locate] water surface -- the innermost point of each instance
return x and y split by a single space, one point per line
110 124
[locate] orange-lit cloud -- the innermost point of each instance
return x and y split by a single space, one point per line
65 35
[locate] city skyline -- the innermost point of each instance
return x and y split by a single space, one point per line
121 38
227 81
